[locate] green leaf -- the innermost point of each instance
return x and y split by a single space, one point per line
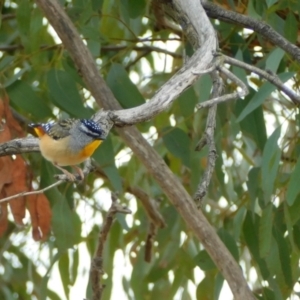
52 295
136 8
253 124
124 90
178 143
205 289
97 4
296 235
64 93
270 164
43 284
23 96
259 6
285 260
238 221
74 265
105 156
203 261
187 101
264 91
293 188
274 59
66 225
271 2
239 72
18 74
250 232
289 224
229 242
253 184
291 27
141 268
63 266
203 87
23 17
6 61
294 210
273 282
218 285
265 230
177 283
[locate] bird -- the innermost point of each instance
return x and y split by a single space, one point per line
69 142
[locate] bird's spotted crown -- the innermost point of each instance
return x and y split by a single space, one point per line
47 126
93 129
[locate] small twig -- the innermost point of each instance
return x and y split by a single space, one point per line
149 242
97 262
272 78
236 95
32 192
144 48
244 91
208 139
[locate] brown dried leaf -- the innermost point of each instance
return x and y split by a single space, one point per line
3 216
2 109
12 124
4 132
5 162
18 185
40 213
13 180
5 171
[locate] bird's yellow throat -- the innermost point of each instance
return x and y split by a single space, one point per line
90 148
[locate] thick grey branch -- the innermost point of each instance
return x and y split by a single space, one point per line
197 24
19 146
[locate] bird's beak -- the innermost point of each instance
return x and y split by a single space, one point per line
38 129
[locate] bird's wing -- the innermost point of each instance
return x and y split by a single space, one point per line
61 128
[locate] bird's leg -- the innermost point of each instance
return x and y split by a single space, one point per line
79 171
71 177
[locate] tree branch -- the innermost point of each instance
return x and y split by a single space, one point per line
97 262
18 146
217 12
272 78
208 139
149 242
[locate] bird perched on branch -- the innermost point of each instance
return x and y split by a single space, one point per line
69 142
